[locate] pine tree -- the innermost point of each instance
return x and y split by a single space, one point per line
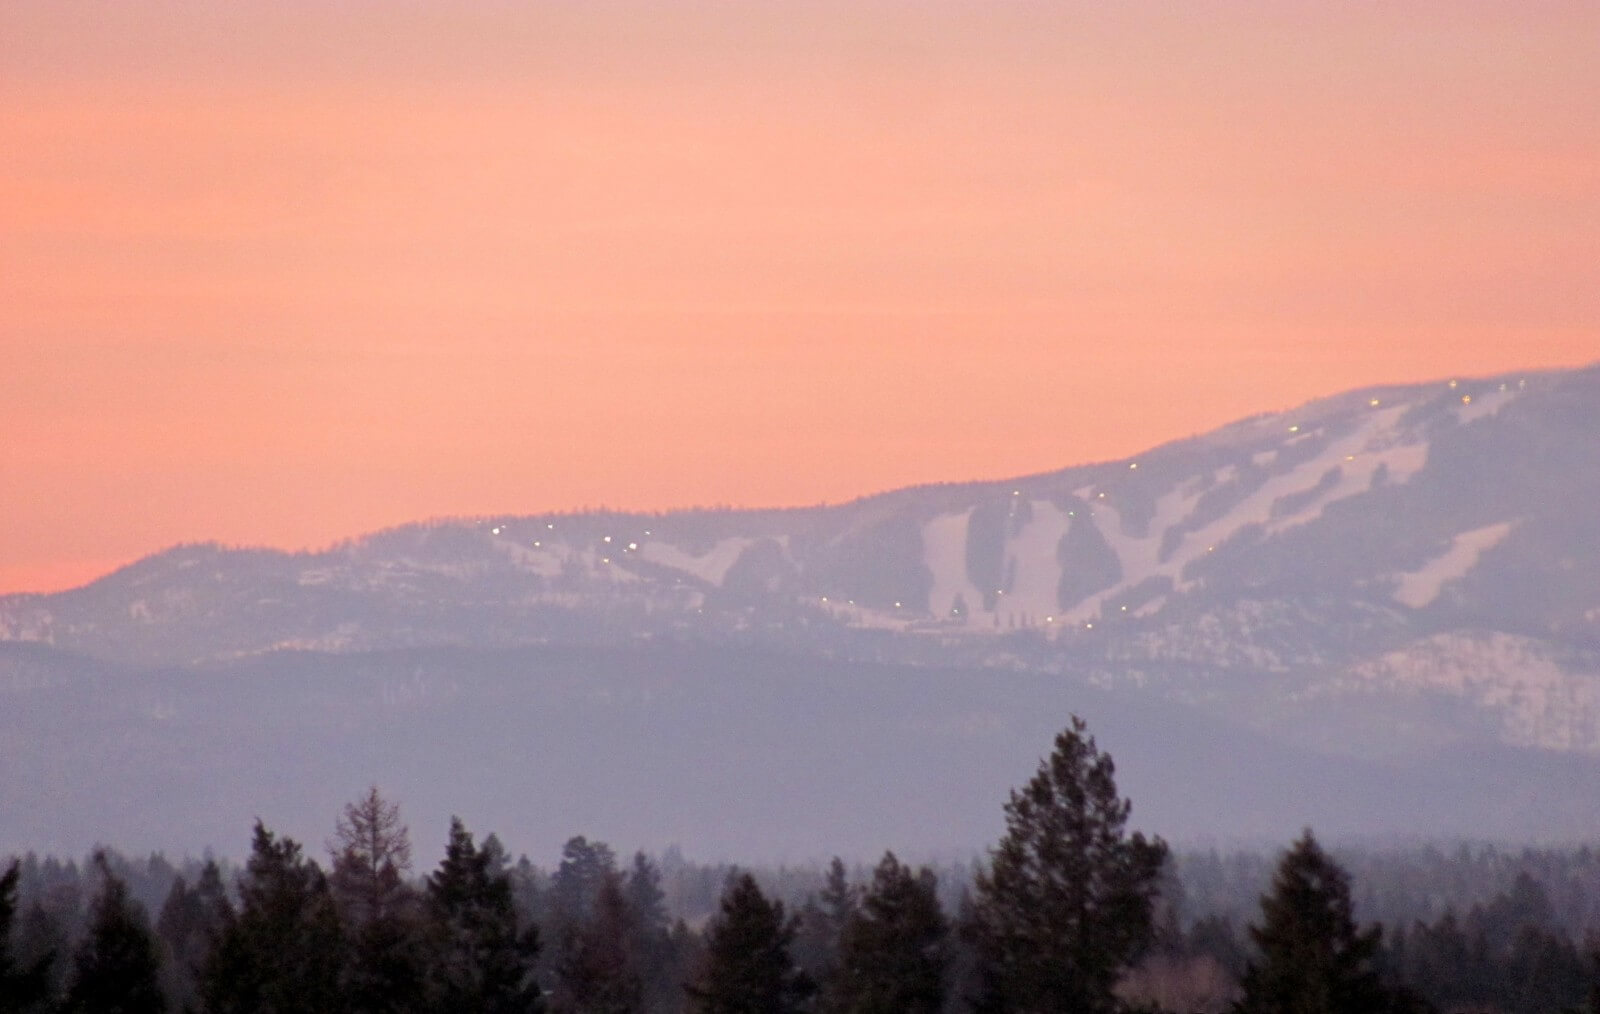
650 938
190 923
285 949
117 967
1066 903
480 961
23 985
892 955
597 973
1312 958
585 867
747 968
371 854
822 921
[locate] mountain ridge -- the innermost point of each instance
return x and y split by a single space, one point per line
1378 613
1334 542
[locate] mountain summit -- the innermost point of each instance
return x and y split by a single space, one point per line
1369 574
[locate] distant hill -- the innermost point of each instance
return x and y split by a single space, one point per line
1395 591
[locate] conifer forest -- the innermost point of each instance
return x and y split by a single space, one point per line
1069 911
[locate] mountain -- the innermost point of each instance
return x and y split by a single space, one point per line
1394 586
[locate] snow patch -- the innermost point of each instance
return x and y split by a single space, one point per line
1537 701
710 567
944 551
1032 552
1358 456
1420 587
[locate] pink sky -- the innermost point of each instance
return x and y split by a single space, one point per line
279 274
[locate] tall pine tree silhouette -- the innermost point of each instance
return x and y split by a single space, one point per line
748 969
1066 902
892 958
480 961
381 913
117 967
1313 960
23 986
285 949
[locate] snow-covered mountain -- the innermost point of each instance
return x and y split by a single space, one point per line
1384 604
1432 541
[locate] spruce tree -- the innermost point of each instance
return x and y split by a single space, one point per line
117 967
24 985
747 967
1313 960
1065 905
480 961
892 955
284 951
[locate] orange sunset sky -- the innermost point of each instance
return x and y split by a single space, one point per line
279 273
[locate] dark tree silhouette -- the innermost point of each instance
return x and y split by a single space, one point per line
597 971
747 968
1066 903
382 914
892 956
1313 960
117 968
192 919
480 961
24 986
285 949
820 931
